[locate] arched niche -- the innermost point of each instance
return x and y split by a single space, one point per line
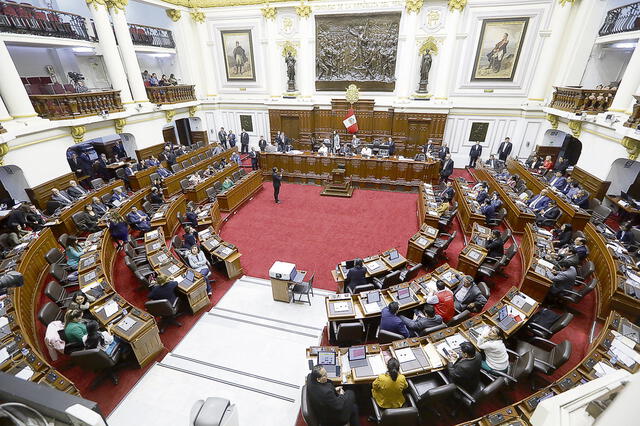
12 185
558 143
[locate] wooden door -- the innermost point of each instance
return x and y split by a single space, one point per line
419 132
291 127
169 134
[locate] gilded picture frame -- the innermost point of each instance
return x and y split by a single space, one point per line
499 48
237 49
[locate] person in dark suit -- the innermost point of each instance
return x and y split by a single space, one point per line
482 193
34 218
61 197
447 168
222 137
487 210
262 144
465 371
540 201
580 246
562 164
392 146
231 138
425 318
429 147
390 320
448 192
118 197
624 235
192 217
17 216
493 162
355 276
279 140
244 142
551 212
444 151
254 158
76 191
564 278
331 405
474 154
558 181
139 220
119 151
164 288
505 149
495 200
169 156
562 236
581 199
86 165
190 237
276 178
98 206
532 161
74 163
87 220
494 245
468 296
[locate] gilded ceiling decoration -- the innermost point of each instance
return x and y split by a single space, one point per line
221 3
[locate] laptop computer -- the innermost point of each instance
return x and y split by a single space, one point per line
393 254
189 276
349 264
358 356
505 321
404 293
328 360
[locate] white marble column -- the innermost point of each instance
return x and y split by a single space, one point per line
274 74
110 53
206 57
11 88
4 113
407 57
447 55
543 76
184 36
305 65
628 85
128 53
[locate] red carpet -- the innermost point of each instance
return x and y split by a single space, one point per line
316 233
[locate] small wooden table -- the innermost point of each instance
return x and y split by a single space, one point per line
280 289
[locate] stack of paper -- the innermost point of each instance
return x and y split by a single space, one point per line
173 269
127 323
601 369
25 373
432 355
373 265
341 307
377 365
371 308
405 355
455 341
545 263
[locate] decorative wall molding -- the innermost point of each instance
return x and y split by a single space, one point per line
457 5
563 2
198 16
553 119
174 14
4 149
119 124
632 146
576 127
169 114
77 133
428 44
192 110
269 12
303 10
117 4
414 6
290 47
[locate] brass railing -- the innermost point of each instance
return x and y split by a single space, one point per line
27 19
634 118
621 19
171 94
75 105
151 36
576 99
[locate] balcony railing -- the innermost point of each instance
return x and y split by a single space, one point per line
75 105
634 118
171 94
151 36
27 19
621 19
576 100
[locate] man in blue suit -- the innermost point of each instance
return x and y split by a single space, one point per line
139 220
482 193
488 210
558 181
581 199
390 321
540 201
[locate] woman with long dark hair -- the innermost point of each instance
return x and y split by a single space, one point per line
388 388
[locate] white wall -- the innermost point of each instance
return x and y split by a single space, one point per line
606 64
14 182
159 64
622 174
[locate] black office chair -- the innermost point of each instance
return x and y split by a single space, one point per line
154 177
535 329
175 168
483 391
427 331
546 361
439 247
520 366
384 336
484 289
184 184
211 193
431 391
388 280
144 281
458 318
585 272
407 415
186 163
576 296
217 186
57 294
138 259
600 214
348 333
309 416
143 269
97 183
61 275
361 288
55 255
165 310
106 199
498 218
49 312
504 237
411 273
303 289
97 360
148 208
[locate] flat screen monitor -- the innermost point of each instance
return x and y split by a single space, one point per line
403 293
357 352
502 313
373 297
393 254
190 275
326 358
349 264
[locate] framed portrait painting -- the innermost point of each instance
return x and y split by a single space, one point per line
237 47
499 49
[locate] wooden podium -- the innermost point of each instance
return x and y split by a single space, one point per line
337 186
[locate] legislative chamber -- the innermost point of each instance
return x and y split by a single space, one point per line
319 212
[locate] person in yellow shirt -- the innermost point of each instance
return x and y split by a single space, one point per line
388 388
443 207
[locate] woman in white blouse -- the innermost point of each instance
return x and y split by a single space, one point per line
200 263
496 356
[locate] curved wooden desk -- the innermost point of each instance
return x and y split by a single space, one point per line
241 191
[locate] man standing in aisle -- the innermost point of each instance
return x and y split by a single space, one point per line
277 180
222 137
474 154
232 139
254 158
262 144
447 168
505 149
244 142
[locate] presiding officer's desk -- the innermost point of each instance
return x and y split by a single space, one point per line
576 216
518 215
373 173
429 353
376 265
467 210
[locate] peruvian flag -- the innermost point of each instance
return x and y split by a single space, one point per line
350 121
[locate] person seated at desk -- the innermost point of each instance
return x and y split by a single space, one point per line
487 210
82 302
558 181
442 301
355 276
76 191
99 207
366 152
164 288
192 216
468 296
190 237
235 158
562 236
564 278
119 229
493 162
151 162
74 326
164 173
73 251
496 357
448 192
581 199
61 197
464 371
103 340
323 150
547 165
331 405
425 318
568 256
482 192
533 162
513 181
388 388
156 197
170 157
562 164
345 149
624 235
87 220
550 212
17 216
540 201
227 183
118 196
129 171
139 220
34 218
391 321
199 262
494 245
495 201
571 188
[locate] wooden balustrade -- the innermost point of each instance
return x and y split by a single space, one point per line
634 118
151 36
579 100
74 105
171 94
24 18
621 19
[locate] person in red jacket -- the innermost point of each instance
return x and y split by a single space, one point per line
442 301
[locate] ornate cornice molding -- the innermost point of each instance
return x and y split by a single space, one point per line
563 2
4 149
289 46
429 44
457 4
119 124
414 6
632 146
576 127
352 94
192 110
169 114
553 119
96 3
77 133
303 10
269 12
174 14
220 3
198 16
